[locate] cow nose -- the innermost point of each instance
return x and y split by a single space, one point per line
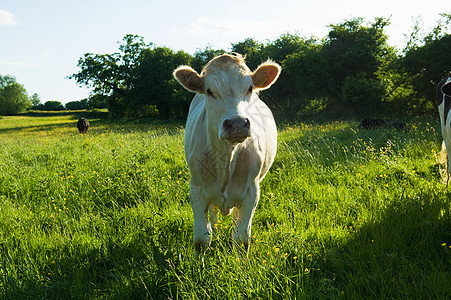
237 129
236 124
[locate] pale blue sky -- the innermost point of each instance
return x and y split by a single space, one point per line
41 41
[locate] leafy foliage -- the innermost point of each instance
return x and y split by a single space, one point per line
137 80
352 72
77 105
13 96
155 90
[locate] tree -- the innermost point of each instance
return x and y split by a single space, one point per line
202 57
137 81
13 96
425 62
35 100
251 49
53 106
298 83
97 101
77 105
155 90
357 53
304 85
285 45
112 74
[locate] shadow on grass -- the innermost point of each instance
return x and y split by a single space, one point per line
98 125
118 265
398 256
403 255
94 114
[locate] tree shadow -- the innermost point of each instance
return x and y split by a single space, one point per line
404 254
117 264
100 125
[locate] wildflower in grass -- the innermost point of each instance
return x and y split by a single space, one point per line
444 244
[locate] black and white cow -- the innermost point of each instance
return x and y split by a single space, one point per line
446 89
443 95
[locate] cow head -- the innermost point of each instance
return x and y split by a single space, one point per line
230 89
446 88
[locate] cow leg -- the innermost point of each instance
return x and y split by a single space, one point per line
242 231
447 143
202 228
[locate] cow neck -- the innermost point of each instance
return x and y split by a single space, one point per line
222 152
221 149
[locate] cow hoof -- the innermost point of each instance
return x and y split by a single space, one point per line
200 246
242 244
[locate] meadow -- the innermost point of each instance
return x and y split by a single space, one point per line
344 213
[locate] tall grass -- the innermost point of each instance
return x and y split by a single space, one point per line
344 213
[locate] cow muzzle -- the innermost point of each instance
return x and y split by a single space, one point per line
236 130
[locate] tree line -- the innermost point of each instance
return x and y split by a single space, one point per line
14 100
352 72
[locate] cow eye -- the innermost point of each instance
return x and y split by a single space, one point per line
251 88
210 93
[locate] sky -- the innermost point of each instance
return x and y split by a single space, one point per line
42 41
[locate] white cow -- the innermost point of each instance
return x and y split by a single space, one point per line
230 142
444 105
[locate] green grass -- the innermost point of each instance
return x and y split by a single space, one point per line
344 213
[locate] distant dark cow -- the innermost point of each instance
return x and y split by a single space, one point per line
83 125
443 95
375 123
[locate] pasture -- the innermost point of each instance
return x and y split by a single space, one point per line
344 213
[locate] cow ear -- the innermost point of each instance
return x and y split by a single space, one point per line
189 79
446 89
265 75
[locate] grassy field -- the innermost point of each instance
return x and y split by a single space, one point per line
344 213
